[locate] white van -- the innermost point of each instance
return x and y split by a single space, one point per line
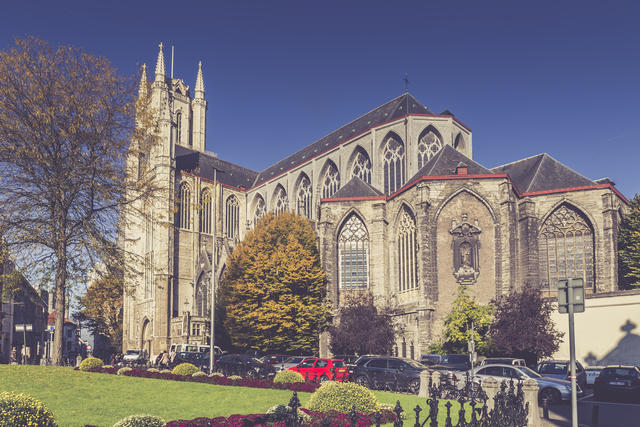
193 348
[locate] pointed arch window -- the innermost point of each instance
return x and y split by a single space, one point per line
305 207
205 211
202 298
353 255
232 217
393 160
407 265
179 127
281 201
361 166
260 210
428 145
566 248
331 181
184 207
459 144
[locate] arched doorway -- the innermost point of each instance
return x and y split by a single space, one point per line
145 337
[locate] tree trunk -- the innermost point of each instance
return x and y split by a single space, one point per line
58 337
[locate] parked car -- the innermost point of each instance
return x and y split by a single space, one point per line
243 365
394 373
560 369
618 382
359 361
349 359
290 362
200 360
453 362
430 359
592 373
552 389
273 359
503 361
134 358
322 370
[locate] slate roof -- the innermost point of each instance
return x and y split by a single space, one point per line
446 161
541 173
356 188
391 110
228 173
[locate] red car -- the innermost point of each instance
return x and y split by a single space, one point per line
321 370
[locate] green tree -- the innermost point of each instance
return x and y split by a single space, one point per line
364 328
522 326
67 120
274 288
629 247
457 326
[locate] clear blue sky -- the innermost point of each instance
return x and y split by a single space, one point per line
560 77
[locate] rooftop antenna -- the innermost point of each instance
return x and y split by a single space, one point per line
172 61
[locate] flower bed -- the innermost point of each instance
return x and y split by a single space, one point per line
314 419
308 387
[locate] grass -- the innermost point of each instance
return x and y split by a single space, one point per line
78 398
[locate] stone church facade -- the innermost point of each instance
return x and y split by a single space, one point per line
400 207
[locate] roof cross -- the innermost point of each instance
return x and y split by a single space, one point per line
406 82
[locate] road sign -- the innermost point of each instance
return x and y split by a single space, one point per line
21 327
575 297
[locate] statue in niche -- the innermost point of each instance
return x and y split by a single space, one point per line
465 245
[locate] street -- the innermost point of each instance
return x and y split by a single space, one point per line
610 414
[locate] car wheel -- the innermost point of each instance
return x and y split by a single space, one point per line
552 395
324 378
414 386
362 380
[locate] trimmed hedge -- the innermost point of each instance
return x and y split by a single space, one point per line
140 421
90 362
341 397
185 369
24 410
288 377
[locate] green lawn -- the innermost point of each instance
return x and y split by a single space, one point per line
78 398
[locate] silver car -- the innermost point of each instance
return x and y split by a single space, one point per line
552 389
290 363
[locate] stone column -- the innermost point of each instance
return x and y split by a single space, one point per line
530 388
424 383
491 387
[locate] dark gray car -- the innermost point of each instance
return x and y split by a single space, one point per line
560 369
394 373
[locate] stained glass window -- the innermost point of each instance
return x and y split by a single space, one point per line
331 181
261 209
232 217
184 208
361 166
353 255
305 207
428 145
205 211
407 266
281 201
393 159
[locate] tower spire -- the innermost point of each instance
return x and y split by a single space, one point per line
142 90
199 90
160 73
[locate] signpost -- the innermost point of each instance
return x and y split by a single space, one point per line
571 300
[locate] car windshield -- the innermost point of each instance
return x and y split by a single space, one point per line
414 364
554 368
338 363
295 359
529 372
455 358
136 352
618 372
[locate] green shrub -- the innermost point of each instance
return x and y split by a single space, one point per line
121 371
198 374
288 377
153 370
235 377
108 366
340 396
216 374
23 410
90 362
165 371
140 421
185 369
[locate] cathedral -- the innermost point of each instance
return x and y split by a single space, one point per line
400 207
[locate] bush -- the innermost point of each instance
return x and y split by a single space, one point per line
288 377
153 370
122 371
198 374
108 366
23 410
166 371
90 362
185 369
216 374
340 396
235 377
140 421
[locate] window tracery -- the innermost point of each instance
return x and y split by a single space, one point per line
202 298
361 166
232 217
353 255
428 146
305 207
566 248
331 182
184 207
407 265
393 159
281 201
205 211
260 211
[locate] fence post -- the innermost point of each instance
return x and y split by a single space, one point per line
530 388
490 386
425 375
